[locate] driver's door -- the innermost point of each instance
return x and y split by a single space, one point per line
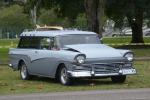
44 60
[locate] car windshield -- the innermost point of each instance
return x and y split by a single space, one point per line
78 39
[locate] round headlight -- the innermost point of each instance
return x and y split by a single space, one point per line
129 56
80 59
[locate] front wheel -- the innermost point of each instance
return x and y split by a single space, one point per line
118 79
24 72
63 76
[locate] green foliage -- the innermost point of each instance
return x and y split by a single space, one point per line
81 21
117 10
46 4
13 19
70 8
40 4
64 8
134 10
49 17
1 4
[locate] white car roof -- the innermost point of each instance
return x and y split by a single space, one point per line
54 33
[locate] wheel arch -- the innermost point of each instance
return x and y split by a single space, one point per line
114 35
58 68
19 63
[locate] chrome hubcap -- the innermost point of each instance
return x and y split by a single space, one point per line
23 72
64 75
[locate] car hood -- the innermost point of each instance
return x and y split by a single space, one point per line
95 50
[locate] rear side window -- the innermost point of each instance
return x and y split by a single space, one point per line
29 42
47 43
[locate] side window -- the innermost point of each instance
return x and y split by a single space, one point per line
45 43
48 43
23 43
29 42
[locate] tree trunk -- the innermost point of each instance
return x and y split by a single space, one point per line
94 12
101 16
91 7
136 26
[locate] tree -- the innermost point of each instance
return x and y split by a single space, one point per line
49 17
95 13
13 20
1 4
69 8
133 10
81 22
63 8
72 8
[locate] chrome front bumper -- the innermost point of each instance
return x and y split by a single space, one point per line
78 74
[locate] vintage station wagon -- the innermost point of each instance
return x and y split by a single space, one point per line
69 54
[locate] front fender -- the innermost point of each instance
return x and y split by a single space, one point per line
123 52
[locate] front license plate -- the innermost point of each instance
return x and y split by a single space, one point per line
129 71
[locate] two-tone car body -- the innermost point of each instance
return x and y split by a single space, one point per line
67 54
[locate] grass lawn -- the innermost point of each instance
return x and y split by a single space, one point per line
123 40
8 42
4 55
10 82
141 52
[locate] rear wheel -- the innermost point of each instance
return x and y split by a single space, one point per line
24 72
114 35
118 79
64 77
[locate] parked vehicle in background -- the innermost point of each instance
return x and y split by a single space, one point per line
146 32
66 54
128 32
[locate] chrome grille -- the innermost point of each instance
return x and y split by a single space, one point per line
100 69
103 68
